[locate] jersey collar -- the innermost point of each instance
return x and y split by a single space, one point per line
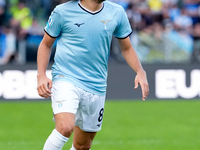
88 11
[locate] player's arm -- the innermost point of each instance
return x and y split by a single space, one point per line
44 52
132 59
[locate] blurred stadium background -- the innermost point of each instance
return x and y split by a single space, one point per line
166 37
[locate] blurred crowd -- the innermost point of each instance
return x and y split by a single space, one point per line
168 30
21 28
160 26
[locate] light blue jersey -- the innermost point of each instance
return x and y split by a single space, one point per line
83 42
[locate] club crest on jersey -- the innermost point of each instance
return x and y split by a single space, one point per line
105 22
60 103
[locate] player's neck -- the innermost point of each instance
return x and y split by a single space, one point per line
92 5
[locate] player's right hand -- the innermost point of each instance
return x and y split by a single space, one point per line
44 86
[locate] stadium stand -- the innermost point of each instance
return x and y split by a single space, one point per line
164 31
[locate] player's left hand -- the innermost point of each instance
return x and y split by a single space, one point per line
141 79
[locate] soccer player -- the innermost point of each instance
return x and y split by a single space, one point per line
83 30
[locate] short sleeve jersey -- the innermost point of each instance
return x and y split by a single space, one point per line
83 42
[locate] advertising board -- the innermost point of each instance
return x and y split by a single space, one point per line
19 82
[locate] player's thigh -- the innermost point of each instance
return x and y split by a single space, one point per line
65 101
82 139
65 123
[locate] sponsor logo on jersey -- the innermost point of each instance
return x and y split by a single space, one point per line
99 125
78 25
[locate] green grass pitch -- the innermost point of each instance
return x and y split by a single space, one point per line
127 125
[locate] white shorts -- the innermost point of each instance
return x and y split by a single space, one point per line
87 107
